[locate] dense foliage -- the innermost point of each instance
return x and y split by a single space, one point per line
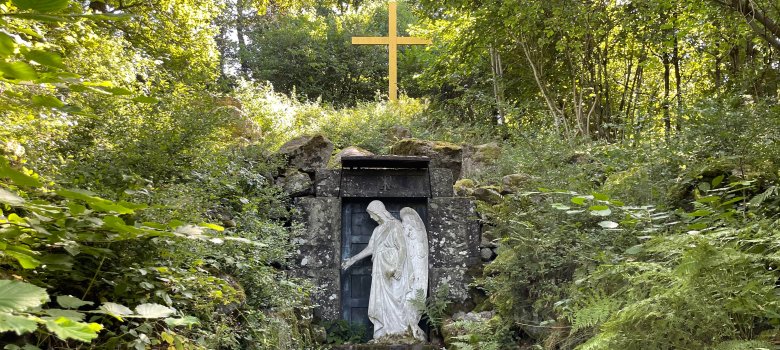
138 207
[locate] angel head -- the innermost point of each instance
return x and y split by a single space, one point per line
377 211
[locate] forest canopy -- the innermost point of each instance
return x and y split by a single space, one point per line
139 206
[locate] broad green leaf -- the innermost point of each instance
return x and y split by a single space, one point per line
27 261
7 45
708 199
66 328
41 5
578 200
184 321
600 210
15 176
71 314
700 212
71 302
47 101
116 310
10 198
45 58
96 203
212 226
17 324
635 250
600 196
608 224
18 71
20 296
145 99
153 311
717 181
38 17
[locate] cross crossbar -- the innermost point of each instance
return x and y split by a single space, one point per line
392 41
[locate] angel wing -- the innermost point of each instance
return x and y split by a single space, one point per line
417 252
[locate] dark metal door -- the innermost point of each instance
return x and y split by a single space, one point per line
357 227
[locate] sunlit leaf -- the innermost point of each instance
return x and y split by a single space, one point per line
45 58
65 328
10 198
41 5
608 224
47 101
116 310
18 71
7 45
20 296
153 311
184 321
17 324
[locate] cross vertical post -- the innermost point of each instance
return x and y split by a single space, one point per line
392 41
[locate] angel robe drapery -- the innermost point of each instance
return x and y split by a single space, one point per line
386 305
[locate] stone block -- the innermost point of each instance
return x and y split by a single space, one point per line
457 280
441 182
453 233
318 246
399 183
326 294
327 182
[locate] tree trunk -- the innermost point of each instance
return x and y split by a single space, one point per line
242 59
666 58
678 83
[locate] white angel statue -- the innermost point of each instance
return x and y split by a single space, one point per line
399 252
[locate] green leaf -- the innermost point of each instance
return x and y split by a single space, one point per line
26 260
71 314
600 196
20 296
212 226
47 101
145 99
184 321
600 210
7 45
700 212
66 328
608 224
560 206
717 181
45 58
10 198
116 310
578 200
18 71
41 5
71 302
17 324
96 203
635 250
153 311
15 176
38 17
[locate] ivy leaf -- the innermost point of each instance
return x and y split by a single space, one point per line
71 302
10 198
18 71
20 296
41 5
66 328
153 311
17 324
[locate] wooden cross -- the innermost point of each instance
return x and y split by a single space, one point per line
392 41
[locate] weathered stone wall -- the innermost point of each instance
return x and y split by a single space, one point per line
453 229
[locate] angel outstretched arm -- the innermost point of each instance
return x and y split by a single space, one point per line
368 250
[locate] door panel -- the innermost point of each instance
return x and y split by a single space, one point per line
357 227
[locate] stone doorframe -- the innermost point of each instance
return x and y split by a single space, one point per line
453 232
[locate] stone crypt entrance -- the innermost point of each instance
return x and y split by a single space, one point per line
337 227
356 229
